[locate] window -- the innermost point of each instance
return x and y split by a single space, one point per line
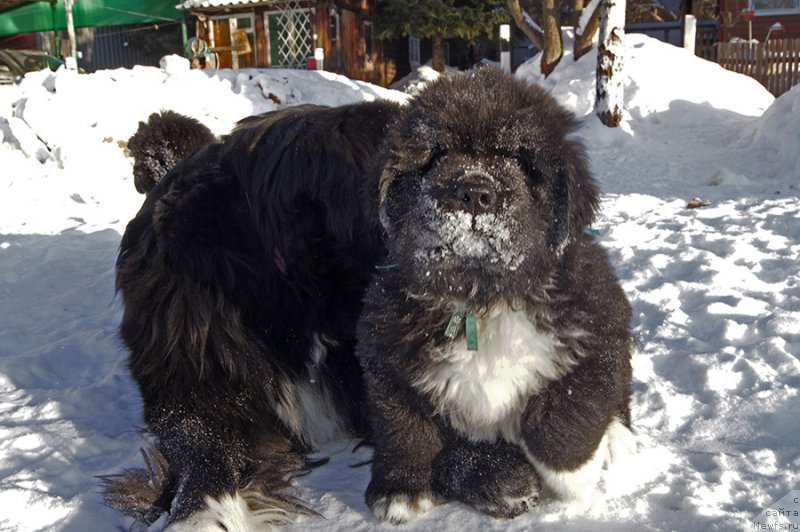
290 36
369 45
414 55
776 6
335 30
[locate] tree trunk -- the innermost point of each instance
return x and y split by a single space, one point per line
553 45
531 32
584 33
576 8
610 81
437 62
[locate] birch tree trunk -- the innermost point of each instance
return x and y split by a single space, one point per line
610 54
72 59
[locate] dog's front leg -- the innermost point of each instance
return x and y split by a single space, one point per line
406 442
572 427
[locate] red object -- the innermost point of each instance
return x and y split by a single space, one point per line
311 63
22 41
749 15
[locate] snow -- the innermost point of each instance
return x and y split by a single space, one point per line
194 4
715 290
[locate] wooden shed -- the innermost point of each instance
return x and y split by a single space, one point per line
288 34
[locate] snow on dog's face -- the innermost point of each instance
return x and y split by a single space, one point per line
482 187
468 213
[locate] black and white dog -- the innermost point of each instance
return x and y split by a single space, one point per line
496 347
415 275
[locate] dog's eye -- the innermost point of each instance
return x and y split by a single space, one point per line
431 159
521 162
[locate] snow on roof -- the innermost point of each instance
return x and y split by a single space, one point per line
200 4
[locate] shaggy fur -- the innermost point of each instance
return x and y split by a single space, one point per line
256 264
242 279
162 142
485 197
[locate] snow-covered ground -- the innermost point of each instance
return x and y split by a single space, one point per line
715 290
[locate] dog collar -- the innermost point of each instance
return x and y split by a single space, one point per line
466 319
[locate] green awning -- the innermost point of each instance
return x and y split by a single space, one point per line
44 16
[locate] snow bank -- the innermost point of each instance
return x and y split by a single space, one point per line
775 135
672 99
656 76
68 132
715 291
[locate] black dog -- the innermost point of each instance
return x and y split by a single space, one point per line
242 279
497 347
244 275
163 141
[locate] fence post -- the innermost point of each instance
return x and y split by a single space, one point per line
505 48
689 32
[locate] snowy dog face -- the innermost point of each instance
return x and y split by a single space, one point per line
468 212
482 187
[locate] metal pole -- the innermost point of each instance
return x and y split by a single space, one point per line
72 59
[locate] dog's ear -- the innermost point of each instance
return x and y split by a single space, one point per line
390 185
399 165
576 196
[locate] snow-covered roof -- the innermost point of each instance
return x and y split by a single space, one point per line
200 4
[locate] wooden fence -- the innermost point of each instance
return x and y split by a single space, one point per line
775 64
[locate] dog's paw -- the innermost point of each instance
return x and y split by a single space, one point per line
401 508
495 479
507 507
502 496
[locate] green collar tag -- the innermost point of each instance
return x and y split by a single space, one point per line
472 332
459 319
455 323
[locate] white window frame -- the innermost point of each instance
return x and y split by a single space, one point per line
312 20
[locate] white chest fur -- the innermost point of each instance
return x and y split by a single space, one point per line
483 393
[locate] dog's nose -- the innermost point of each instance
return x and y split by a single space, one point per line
475 195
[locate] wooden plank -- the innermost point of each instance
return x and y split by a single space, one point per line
780 64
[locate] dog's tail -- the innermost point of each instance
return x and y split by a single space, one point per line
162 142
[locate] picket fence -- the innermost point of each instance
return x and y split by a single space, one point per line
775 63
